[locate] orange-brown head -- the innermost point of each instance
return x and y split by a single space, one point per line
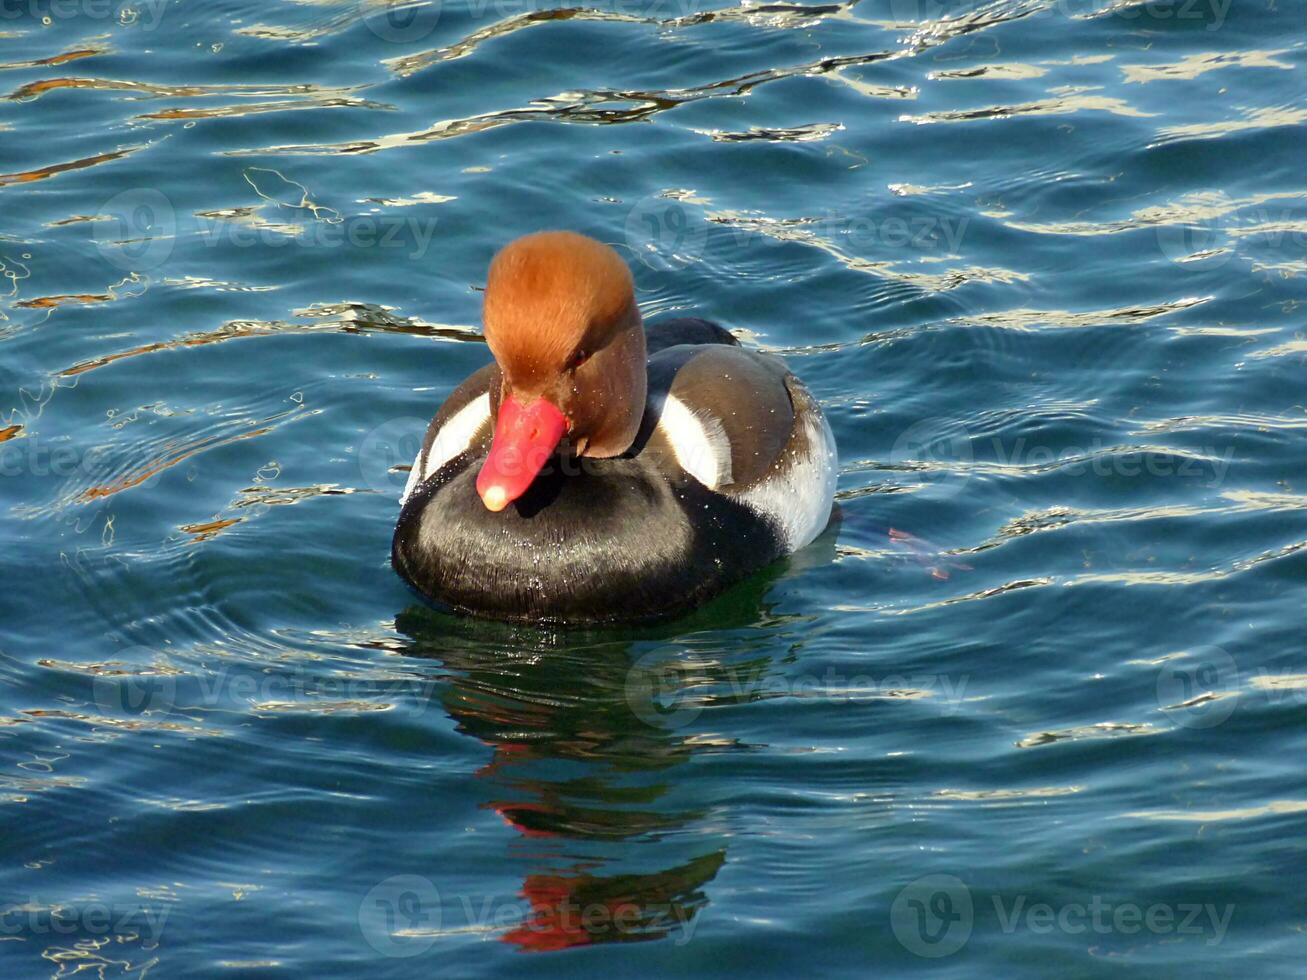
561 320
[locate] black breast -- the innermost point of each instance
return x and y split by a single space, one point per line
591 541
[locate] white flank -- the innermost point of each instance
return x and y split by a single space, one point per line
698 442
454 437
799 500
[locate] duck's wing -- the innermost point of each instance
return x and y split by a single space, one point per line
741 424
724 412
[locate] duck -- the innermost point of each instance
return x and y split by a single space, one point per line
601 471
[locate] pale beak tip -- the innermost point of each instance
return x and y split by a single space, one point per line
495 499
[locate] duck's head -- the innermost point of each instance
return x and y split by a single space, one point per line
561 319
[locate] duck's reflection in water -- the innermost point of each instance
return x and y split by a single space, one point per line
591 734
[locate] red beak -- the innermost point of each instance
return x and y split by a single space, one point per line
525 437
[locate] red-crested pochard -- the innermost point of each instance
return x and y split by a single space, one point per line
596 472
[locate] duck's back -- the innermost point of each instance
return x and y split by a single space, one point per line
686 330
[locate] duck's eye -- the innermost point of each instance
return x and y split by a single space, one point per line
577 359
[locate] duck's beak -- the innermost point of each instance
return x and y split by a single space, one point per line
526 435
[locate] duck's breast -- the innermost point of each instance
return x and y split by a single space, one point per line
590 541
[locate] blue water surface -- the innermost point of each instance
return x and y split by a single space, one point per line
1036 704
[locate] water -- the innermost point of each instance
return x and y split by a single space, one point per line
1037 705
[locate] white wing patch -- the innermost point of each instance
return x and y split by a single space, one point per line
799 498
699 442
454 437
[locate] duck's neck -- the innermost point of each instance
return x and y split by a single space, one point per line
613 407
